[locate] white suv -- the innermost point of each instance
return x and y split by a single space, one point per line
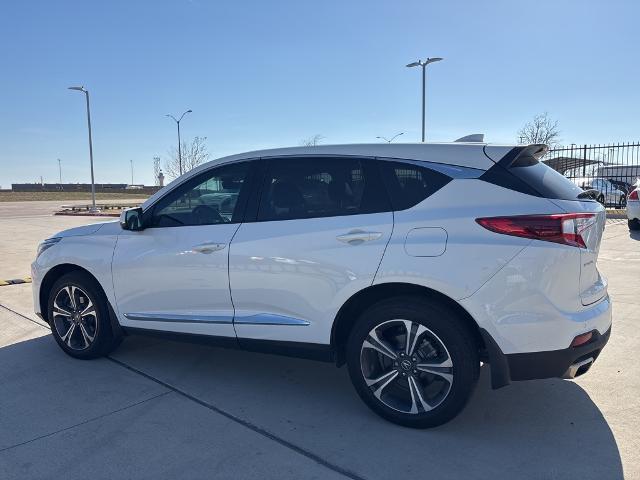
410 263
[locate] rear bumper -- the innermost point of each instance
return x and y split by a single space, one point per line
557 363
566 363
633 210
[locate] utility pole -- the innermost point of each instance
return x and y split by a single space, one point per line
156 170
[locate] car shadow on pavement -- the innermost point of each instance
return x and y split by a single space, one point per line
539 429
543 429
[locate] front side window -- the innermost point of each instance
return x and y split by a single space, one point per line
209 199
320 187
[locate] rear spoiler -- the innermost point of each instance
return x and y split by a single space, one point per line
523 156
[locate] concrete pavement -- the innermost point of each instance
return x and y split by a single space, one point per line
159 409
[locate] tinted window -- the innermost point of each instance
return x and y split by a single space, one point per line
209 199
547 182
521 171
409 184
320 187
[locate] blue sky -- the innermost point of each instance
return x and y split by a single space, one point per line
271 73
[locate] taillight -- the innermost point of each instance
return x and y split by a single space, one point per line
558 228
633 195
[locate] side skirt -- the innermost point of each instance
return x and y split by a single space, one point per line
309 351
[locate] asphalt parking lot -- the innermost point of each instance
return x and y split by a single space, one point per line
159 409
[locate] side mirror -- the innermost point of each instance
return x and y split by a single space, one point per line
131 219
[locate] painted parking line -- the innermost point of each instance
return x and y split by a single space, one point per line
15 281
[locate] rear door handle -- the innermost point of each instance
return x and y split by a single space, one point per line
208 247
356 237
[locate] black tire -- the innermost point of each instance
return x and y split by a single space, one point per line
444 329
96 322
623 202
601 199
634 224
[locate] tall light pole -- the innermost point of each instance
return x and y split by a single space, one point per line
131 162
93 184
60 171
392 138
423 64
179 146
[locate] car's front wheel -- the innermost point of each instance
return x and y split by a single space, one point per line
634 224
79 317
413 361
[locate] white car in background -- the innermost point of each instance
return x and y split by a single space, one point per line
608 193
633 208
411 263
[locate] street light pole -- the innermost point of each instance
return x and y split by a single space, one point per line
94 209
392 138
60 171
423 64
179 144
131 161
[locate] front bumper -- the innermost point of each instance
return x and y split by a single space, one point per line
566 363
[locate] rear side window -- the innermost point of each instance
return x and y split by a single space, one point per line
300 187
409 184
547 182
520 171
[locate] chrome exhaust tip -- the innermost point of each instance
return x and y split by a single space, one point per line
578 368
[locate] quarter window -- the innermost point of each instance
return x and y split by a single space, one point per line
410 184
209 199
321 187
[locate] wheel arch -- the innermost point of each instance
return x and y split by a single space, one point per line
62 269
360 301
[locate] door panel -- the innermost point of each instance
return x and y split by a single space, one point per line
174 275
300 271
163 282
320 232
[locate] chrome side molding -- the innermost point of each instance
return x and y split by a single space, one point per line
159 317
270 319
255 319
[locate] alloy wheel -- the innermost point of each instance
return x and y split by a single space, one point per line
406 366
74 317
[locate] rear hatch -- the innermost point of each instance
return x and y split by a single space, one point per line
520 169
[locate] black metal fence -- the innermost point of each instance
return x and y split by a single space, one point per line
619 163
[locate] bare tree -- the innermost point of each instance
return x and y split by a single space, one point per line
312 141
193 154
542 129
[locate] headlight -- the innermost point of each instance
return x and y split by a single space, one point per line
49 242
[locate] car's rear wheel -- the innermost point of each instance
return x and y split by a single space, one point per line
634 224
601 199
79 317
413 361
623 201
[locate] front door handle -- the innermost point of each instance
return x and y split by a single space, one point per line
208 247
356 237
